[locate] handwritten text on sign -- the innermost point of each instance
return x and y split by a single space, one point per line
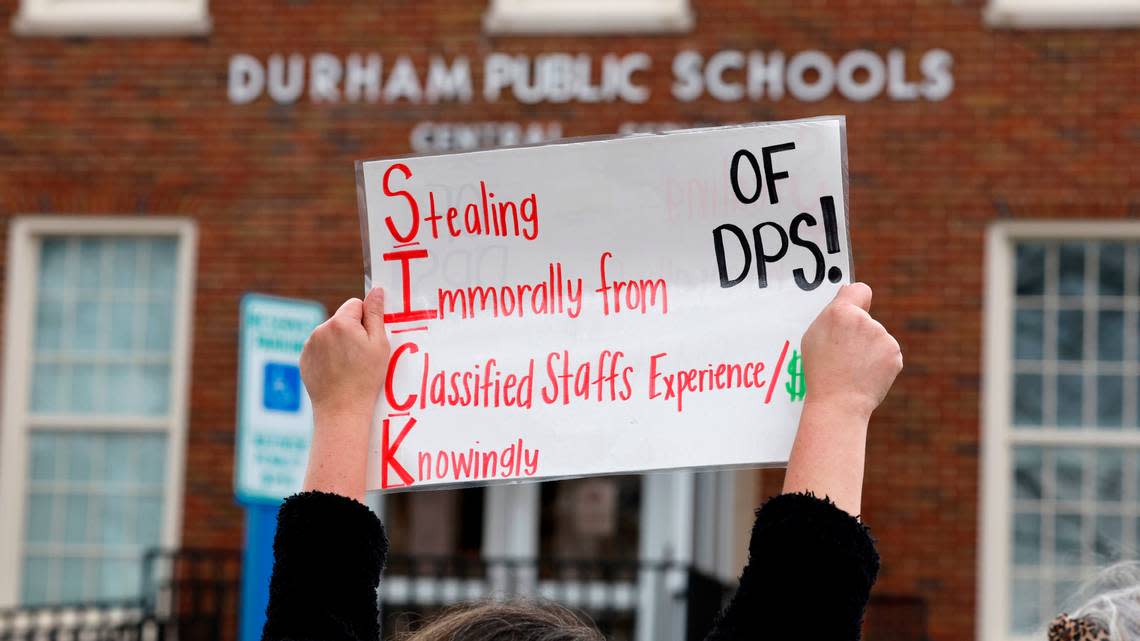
556 312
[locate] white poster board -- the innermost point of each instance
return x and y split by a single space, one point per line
601 306
275 416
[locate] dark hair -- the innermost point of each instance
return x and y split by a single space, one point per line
508 621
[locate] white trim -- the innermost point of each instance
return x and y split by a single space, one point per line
997 434
23 254
1062 14
112 18
587 16
993 530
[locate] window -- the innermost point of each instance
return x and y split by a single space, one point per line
1035 14
588 16
94 417
1061 442
112 17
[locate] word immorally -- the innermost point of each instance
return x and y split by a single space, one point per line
730 75
554 296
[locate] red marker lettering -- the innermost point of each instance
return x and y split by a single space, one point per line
388 455
415 229
408 314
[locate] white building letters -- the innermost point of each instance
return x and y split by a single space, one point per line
730 75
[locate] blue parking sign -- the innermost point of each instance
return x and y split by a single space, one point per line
275 417
282 389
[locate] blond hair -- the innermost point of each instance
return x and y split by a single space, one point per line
517 620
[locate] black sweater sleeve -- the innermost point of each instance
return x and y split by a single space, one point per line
809 575
328 553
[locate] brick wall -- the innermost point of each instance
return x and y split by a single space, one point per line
1039 125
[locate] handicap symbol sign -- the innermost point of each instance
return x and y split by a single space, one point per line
282 390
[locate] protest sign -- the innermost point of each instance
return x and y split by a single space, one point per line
601 306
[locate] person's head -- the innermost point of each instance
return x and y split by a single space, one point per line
508 621
1107 606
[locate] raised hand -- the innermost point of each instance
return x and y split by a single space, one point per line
343 364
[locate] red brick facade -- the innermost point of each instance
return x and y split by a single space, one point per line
1039 124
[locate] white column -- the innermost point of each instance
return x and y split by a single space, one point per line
510 534
666 535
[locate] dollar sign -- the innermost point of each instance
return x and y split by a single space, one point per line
796 387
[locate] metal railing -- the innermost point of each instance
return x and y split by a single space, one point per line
109 621
195 590
192 595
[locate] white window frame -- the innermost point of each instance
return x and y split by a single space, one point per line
24 243
1062 14
112 18
997 435
587 16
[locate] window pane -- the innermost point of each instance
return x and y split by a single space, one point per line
163 261
43 457
124 275
1027 399
75 518
1072 262
90 263
117 460
119 579
49 325
1026 606
151 459
1109 400
1027 539
1027 472
47 388
148 527
38 525
155 396
159 326
37 573
1064 591
53 275
1108 539
85 332
1067 539
71 580
1109 475
1136 528
122 328
82 388
1070 335
1070 391
1110 335
114 530
1030 269
1069 475
1029 331
1112 269
80 451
